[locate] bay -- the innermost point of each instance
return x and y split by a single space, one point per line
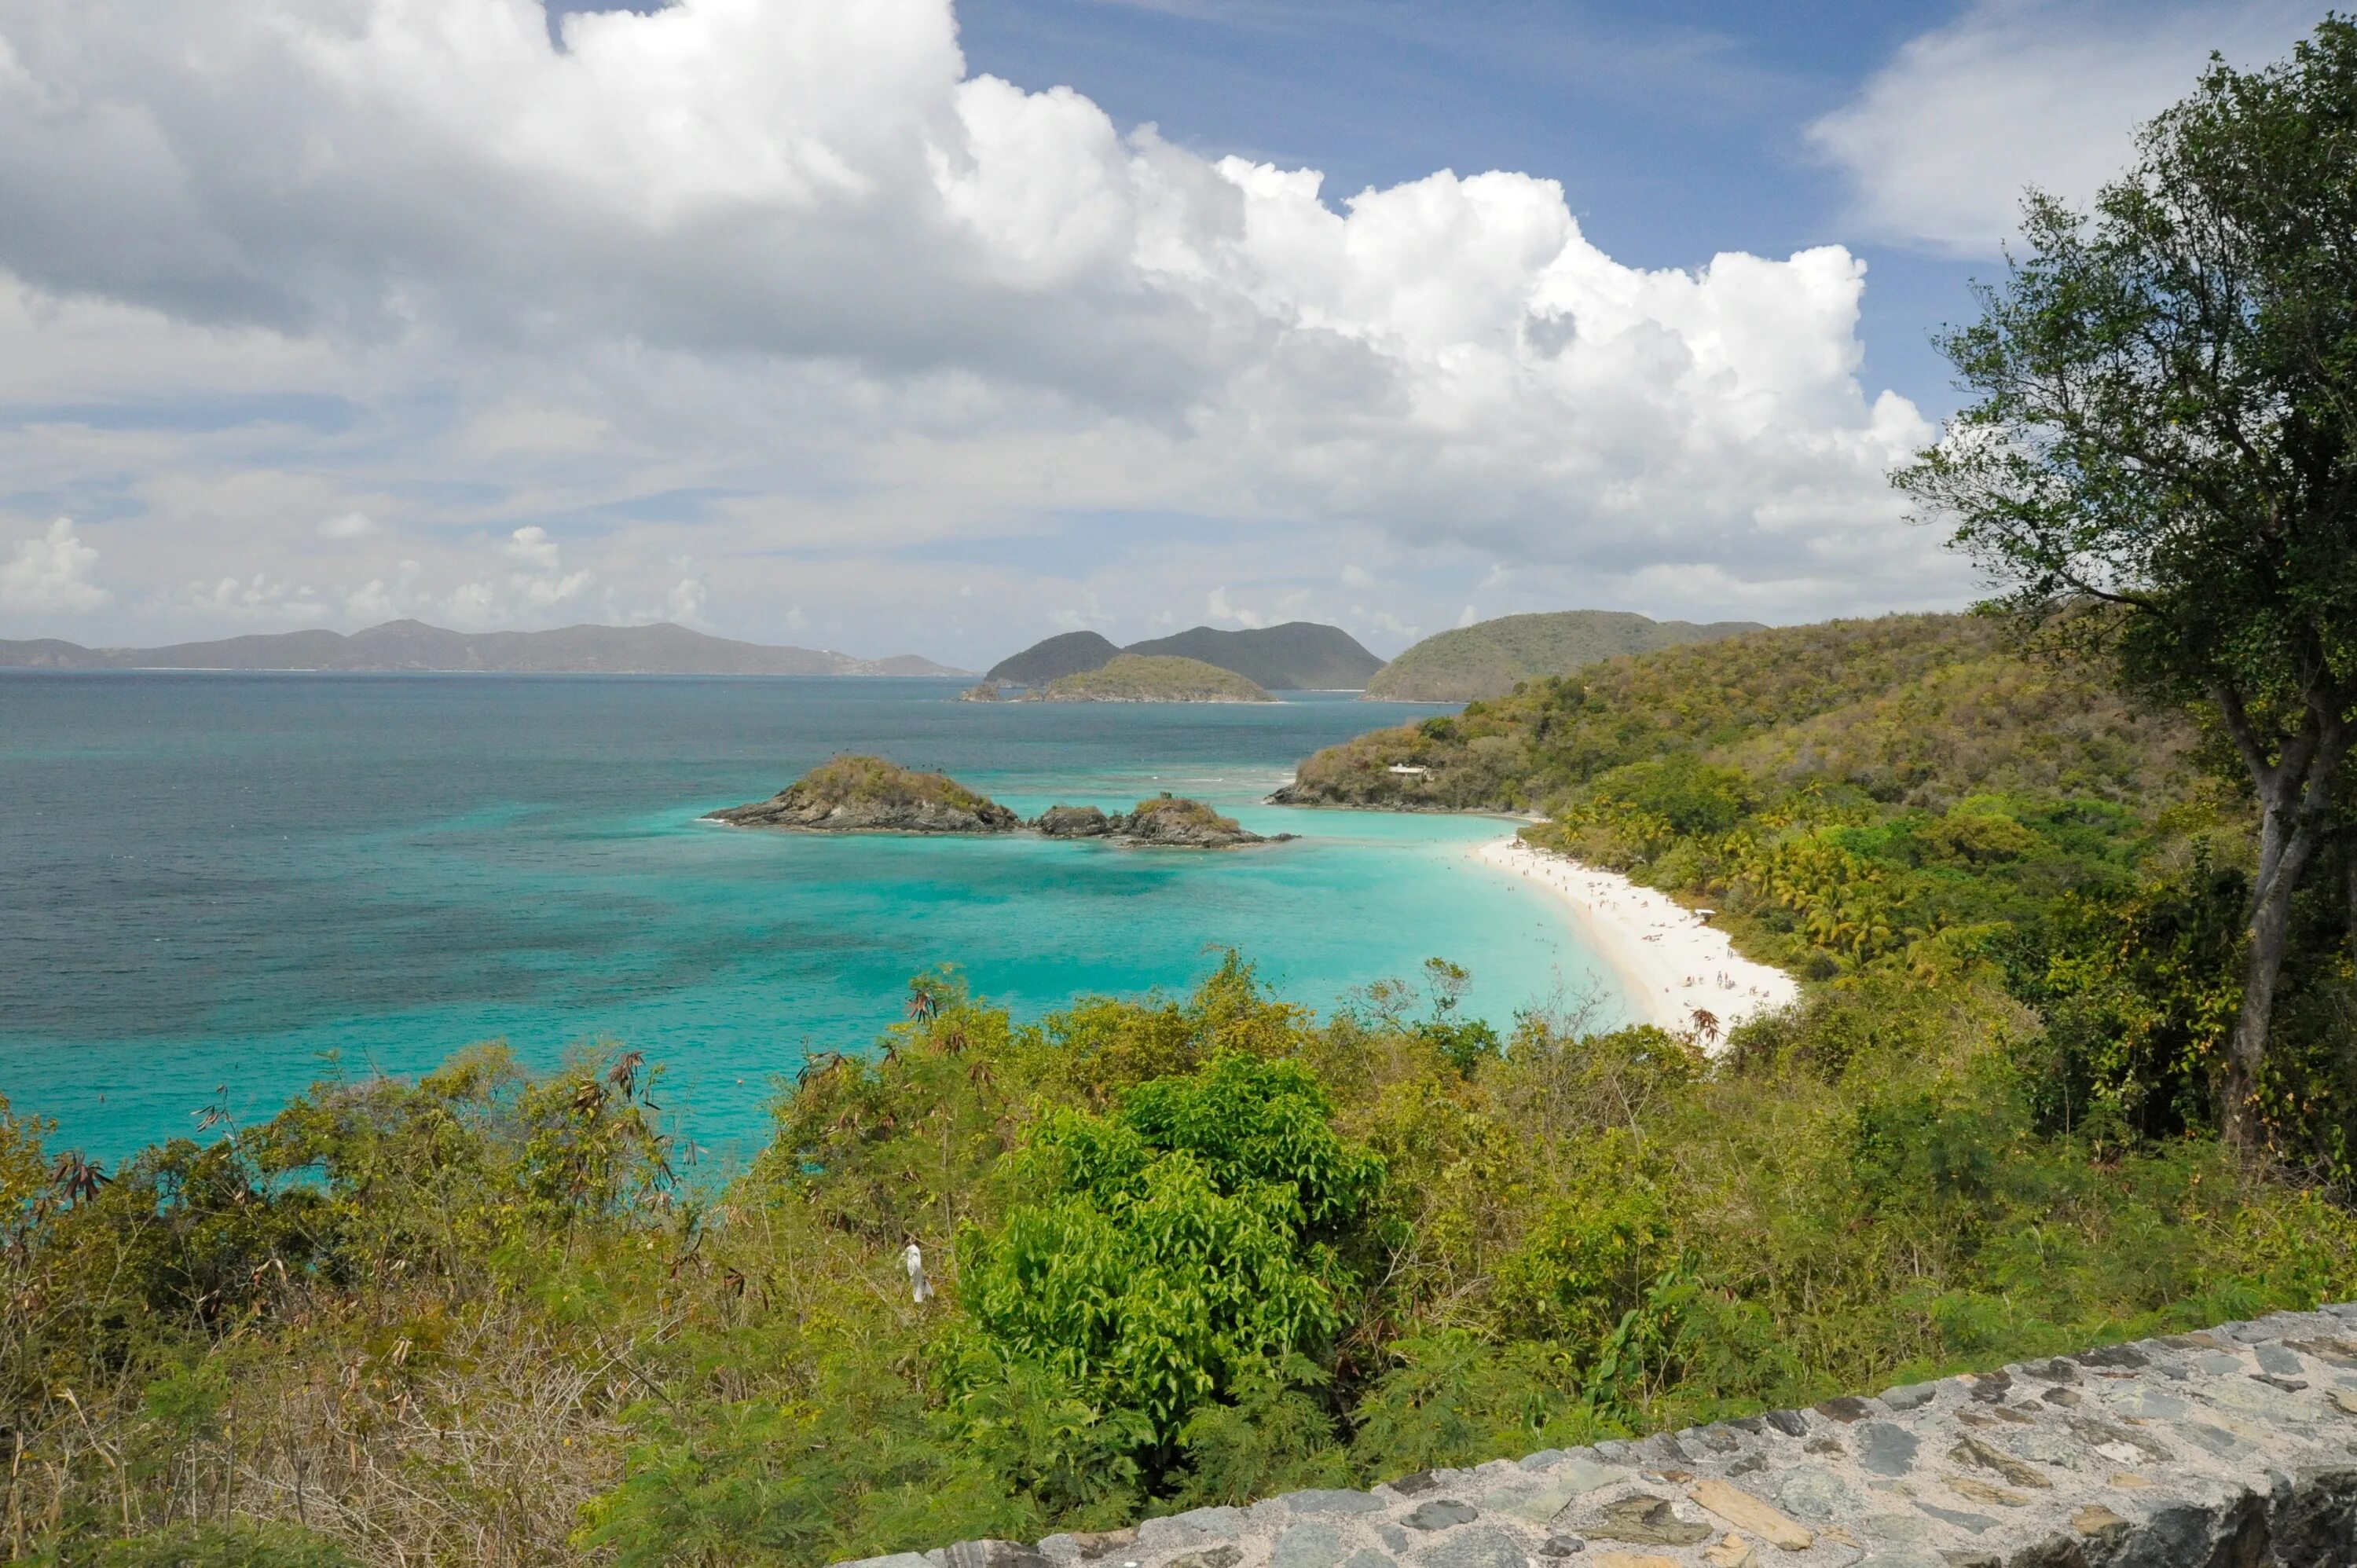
219 888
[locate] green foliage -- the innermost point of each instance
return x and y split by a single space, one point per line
1188 1250
1588 1259
1152 677
2139 992
239 1545
2159 429
1173 1249
1273 1434
852 779
1178 813
1490 659
1912 710
849 1463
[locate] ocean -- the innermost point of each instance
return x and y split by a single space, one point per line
219 888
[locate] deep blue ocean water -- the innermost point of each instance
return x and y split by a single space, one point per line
231 885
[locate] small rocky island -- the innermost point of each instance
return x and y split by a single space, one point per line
1141 678
869 795
1171 821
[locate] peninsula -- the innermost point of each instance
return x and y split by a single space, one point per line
1136 678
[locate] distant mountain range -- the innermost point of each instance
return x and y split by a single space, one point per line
662 649
1486 660
1299 656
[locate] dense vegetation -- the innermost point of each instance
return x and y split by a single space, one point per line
1921 795
2161 426
1199 1249
1066 653
1185 1250
1491 658
1140 678
865 780
1914 709
869 794
1296 656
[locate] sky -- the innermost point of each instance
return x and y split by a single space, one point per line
908 327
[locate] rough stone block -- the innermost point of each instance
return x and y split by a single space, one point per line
1308 1545
1481 1548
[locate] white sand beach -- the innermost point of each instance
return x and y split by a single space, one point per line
1671 964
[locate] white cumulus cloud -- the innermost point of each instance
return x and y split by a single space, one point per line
1940 142
51 573
1218 606
538 586
259 599
789 257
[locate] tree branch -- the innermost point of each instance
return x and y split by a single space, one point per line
2245 734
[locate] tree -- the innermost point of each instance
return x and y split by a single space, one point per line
2167 398
1178 1252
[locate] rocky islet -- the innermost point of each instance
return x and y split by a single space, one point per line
869 795
2235 1445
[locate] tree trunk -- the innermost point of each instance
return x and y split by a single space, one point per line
2294 798
2267 936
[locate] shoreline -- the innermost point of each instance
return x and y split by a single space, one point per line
1669 961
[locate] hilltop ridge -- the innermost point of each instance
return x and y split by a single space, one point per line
1298 656
1918 710
1068 653
661 648
1487 659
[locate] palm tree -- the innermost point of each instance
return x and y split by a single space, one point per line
78 1177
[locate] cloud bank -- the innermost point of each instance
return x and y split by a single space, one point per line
777 284
1940 142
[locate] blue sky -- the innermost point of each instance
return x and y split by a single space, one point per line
1677 129
781 318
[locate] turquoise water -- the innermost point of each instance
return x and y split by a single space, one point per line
232 886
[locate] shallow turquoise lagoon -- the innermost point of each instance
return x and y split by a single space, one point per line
227 886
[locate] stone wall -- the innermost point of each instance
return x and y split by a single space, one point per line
2233 1448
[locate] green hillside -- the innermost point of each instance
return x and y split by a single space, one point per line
1068 654
1299 656
1915 709
1133 678
1920 797
1488 660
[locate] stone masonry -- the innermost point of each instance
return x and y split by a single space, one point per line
2232 1448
